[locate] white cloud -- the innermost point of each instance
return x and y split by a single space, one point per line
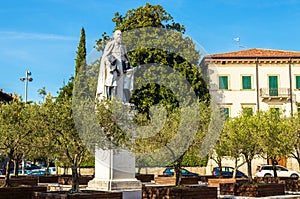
11 35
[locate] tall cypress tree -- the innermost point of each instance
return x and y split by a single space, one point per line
67 90
81 52
69 139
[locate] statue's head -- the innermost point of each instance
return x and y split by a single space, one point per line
118 36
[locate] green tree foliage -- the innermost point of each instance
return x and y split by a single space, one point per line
17 132
156 46
67 90
240 136
266 134
42 92
275 136
46 120
295 133
149 15
71 149
153 40
81 52
219 152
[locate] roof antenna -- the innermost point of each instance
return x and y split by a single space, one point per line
237 40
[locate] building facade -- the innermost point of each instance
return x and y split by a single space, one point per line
256 79
252 80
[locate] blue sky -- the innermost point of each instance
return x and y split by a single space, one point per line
42 35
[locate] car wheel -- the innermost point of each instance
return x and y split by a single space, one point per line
268 175
294 176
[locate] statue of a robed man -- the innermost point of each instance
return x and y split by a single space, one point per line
115 75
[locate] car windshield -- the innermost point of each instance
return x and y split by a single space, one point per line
184 171
280 168
227 169
171 170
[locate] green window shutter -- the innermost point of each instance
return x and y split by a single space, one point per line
273 85
298 111
226 113
297 82
246 81
223 82
248 111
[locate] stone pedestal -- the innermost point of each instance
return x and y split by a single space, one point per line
115 171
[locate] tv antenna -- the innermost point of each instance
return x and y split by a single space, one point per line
237 40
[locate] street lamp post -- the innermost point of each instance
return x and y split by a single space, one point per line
26 79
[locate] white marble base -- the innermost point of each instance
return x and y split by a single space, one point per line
115 171
113 185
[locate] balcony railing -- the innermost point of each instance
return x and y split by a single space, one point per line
275 92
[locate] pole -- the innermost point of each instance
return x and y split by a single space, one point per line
291 86
26 79
26 86
257 84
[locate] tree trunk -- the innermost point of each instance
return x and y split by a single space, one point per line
219 163
274 163
75 179
140 168
16 168
47 167
235 168
65 168
249 168
177 169
298 160
7 182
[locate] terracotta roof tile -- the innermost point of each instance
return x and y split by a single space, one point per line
256 52
4 96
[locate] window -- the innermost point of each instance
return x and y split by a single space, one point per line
248 111
273 85
279 168
226 112
297 82
223 82
246 82
275 110
298 111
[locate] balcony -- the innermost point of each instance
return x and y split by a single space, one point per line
275 93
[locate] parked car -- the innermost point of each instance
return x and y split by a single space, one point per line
26 171
51 170
184 172
37 172
32 167
228 172
267 171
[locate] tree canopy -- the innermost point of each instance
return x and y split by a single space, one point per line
167 76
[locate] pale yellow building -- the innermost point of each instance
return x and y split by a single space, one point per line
256 79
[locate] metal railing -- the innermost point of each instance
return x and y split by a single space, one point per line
275 92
